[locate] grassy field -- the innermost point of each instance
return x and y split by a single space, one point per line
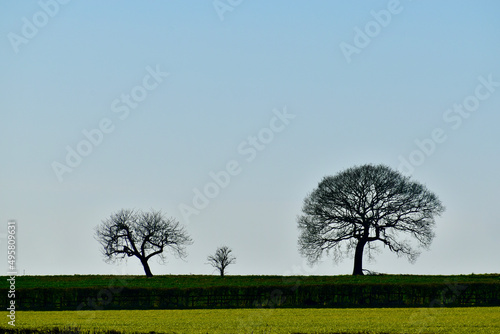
202 281
408 320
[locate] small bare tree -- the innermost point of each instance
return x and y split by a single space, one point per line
221 259
129 233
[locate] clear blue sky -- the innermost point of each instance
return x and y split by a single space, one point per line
353 83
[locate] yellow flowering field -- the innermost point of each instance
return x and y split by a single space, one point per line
374 320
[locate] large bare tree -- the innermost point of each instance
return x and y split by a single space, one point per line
128 233
362 206
221 259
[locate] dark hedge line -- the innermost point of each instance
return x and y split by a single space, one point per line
339 295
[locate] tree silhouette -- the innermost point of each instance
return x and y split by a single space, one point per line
129 233
361 206
221 259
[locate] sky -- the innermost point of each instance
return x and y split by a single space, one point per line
226 114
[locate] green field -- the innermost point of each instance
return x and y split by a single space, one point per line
260 320
407 320
203 281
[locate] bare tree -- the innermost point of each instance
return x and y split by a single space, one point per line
129 233
221 259
363 205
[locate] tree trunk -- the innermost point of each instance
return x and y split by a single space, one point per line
222 272
147 270
358 258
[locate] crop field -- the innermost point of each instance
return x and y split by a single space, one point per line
381 320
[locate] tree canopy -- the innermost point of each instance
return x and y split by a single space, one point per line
363 205
221 259
128 233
